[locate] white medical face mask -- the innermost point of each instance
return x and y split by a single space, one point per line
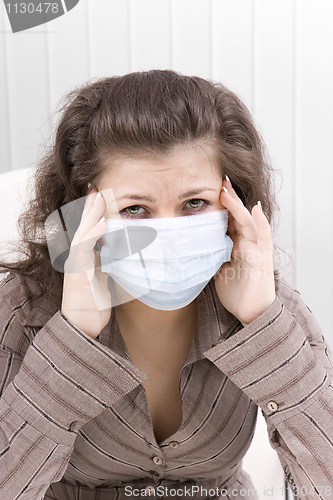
165 262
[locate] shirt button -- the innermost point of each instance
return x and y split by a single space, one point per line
150 490
158 460
74 426
173 444
272 406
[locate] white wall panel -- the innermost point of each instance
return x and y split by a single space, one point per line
150 34
191 37
232 46
68 52
273 108
314 157
109 37
26 80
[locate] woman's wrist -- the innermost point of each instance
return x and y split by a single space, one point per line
247 322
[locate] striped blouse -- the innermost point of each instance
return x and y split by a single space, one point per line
75 423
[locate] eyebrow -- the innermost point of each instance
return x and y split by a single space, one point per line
152 200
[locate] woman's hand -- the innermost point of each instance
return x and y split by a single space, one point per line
245 285
86 300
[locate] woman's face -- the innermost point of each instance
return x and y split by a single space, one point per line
184 182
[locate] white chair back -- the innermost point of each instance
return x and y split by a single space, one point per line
14 196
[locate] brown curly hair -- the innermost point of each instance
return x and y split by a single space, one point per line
139 113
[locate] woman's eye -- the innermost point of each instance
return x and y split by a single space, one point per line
132 210
196 203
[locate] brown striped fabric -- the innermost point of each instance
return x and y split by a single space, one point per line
75 424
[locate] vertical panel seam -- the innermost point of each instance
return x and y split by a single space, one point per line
210 20
253 36
10 122
295 141
89 58
129 21
171 34
48 70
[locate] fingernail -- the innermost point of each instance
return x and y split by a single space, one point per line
102 219
259 204
227 179
225 190
97 197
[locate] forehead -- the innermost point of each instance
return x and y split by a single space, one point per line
190 161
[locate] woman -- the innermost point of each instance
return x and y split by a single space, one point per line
139 369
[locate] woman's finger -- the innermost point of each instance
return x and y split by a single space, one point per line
82 255
243 222
92 214
89 200
264 234
91 228
227 184
231 227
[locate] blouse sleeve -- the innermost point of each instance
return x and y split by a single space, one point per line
283 363
64 379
